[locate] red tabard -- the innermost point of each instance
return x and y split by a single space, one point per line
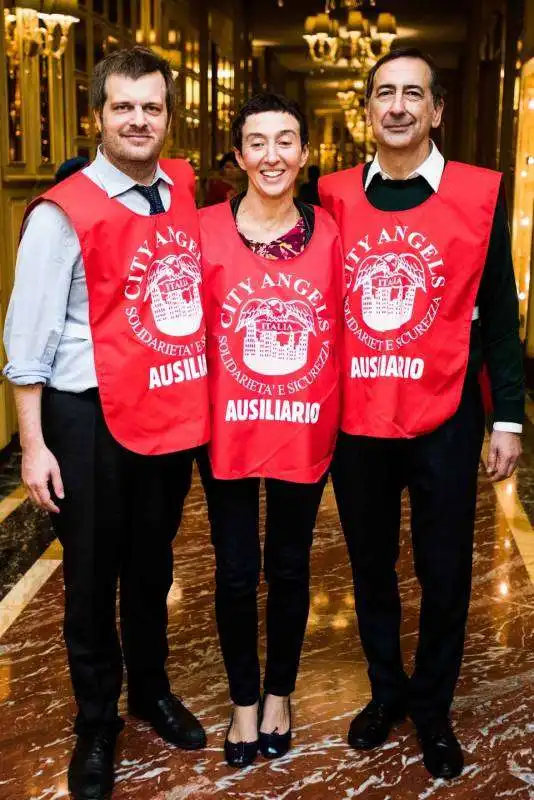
145 310
274 330
412 278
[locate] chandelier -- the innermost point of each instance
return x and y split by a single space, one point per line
352 101
350 98
355 124
30 33
349 33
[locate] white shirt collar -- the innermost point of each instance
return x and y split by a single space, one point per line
115 182
431 169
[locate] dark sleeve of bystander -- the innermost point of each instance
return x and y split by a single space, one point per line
499 322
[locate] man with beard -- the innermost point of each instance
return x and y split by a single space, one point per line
106 305
430 296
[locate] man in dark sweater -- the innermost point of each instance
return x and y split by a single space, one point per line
431 298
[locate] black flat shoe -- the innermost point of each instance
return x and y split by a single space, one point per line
442 754
371 727
171 720
275 745
91 771
239 754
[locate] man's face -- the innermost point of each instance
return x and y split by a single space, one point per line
134 120
401 108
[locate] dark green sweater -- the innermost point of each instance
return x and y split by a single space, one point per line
495 336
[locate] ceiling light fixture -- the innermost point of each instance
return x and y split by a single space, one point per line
30 33
349 33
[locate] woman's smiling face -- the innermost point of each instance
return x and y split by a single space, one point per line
272 153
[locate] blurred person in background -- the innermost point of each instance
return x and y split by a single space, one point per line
309 191
227 183
70 167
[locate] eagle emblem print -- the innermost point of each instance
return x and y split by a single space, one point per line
395 283
173 288
274 340
163 306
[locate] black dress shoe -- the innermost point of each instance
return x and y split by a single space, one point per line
239 754
370 728
442 754
171 720
91 769
275 745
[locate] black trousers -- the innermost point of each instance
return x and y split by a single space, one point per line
440 471
117 522
233 507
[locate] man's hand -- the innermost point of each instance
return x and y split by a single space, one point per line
504 451
39 468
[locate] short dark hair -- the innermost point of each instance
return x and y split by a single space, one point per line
436 86
132 63
268 101
70 167
228 158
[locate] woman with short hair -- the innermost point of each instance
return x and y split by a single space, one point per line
273 283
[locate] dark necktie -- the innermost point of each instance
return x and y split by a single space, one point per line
152 195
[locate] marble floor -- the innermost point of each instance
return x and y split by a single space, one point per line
493 712
9 468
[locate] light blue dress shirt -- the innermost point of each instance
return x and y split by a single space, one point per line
46 334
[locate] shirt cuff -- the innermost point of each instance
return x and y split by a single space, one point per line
27 373
508 427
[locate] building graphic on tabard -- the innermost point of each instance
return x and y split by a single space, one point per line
174 289
276 335
389 284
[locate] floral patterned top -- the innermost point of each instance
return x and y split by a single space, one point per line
289 245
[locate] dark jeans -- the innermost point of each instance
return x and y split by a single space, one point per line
233 507
440 471
117 522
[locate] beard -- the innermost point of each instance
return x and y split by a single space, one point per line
118 147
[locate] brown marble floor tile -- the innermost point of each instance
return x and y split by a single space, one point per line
24 536
10 459
494 709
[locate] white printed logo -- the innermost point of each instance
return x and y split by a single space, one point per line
277 333
162 303
173 285
389 283
395 280
274 346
